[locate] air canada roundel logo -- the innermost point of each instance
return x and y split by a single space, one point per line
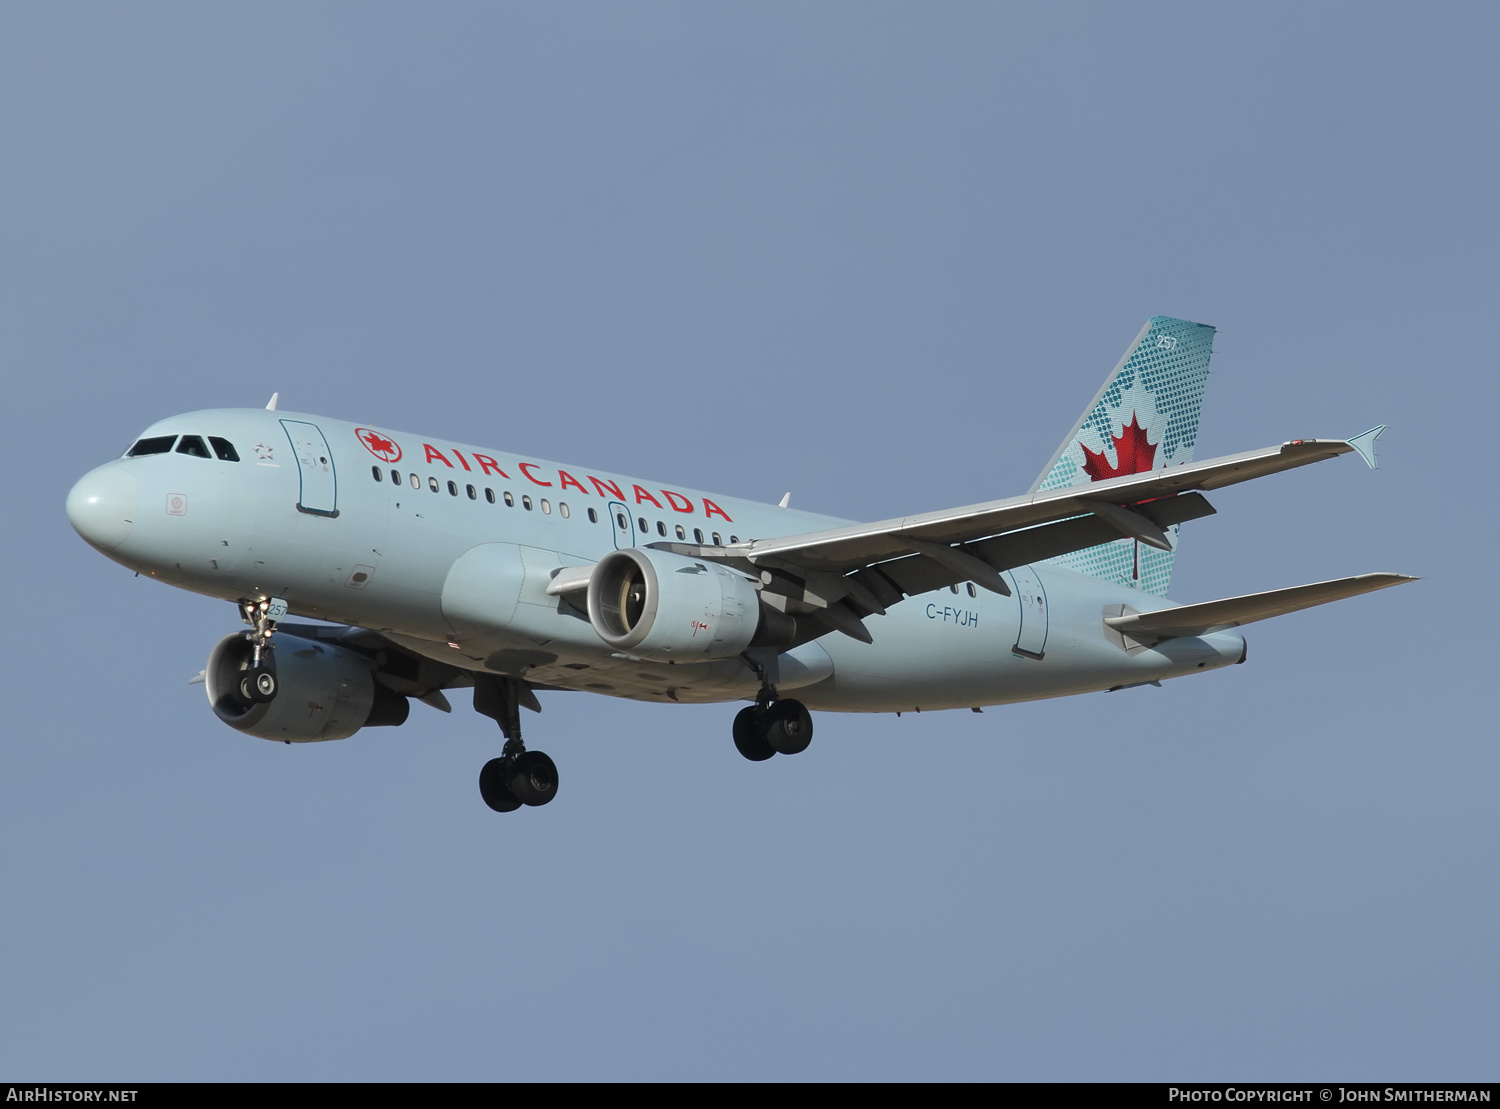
377 444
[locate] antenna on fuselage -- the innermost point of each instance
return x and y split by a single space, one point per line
271 404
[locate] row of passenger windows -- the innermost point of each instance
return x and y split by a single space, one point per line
544 504
489 494
186 444
661 529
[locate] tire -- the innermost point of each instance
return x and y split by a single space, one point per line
494 790
533 778
750 736
265 685
258 687
789 727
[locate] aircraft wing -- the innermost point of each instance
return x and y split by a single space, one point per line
1234 611
844 549
843 574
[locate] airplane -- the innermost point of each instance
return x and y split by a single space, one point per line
431 565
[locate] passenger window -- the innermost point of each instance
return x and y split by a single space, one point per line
489 495
395 477
157 444
546 507
620 521
193 445
432 483
376 474
972 592
473 496
526 503
593 516
734 538
510 501
416 482
453 489
645 528
224 449
717 541
661 529
681 534
562 509
698 536
953 589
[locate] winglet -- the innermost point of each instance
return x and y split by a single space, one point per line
1365 445
786 500
271 404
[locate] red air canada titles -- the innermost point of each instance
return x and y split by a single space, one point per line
385 448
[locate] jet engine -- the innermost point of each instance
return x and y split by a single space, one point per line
322 691
670 608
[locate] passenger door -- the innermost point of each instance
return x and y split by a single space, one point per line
1031 635
319 493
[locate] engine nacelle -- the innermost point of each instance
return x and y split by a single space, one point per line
669 608
323 691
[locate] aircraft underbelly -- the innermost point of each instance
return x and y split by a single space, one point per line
940 651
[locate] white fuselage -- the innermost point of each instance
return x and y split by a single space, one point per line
447 550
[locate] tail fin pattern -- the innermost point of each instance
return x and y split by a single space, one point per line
1145 418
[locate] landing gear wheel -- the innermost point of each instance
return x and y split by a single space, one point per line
789 727
533 778
750 734
258 687
493 788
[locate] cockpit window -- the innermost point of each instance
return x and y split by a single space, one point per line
193 445
224 449
154 444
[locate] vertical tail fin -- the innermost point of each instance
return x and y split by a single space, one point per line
1144 418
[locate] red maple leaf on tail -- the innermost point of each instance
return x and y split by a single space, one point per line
1134 454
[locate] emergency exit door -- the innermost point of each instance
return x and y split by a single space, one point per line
622 526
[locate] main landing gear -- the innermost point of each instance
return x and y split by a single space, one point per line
518 777
258 680
772 726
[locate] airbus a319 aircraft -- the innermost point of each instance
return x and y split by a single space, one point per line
433 565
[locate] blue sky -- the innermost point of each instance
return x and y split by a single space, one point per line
880 255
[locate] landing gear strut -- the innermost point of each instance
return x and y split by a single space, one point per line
518 777
772 726
258 680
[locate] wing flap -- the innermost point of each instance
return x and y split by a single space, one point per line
913 574
1234 611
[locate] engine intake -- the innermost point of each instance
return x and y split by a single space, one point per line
670 608
323 691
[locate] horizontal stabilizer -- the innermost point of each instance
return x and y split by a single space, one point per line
1234 611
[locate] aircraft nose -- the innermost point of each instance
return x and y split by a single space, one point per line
102 506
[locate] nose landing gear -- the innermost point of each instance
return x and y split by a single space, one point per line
258 683
518 777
